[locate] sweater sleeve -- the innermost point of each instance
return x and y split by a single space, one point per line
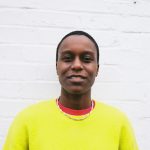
127 138
17 138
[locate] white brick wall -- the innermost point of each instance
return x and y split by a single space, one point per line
30 31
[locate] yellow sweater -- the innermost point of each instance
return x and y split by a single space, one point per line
43 126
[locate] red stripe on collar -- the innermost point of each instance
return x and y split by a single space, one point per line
74 111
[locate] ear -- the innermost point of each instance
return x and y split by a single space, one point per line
97 70
56 68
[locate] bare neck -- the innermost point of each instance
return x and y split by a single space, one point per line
75 101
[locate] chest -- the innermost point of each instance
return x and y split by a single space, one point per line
75 136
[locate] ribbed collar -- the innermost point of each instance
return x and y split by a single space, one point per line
74 111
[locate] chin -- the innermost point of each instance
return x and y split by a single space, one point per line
76 90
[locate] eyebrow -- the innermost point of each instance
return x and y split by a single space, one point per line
70 51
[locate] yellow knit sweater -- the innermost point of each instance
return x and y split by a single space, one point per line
43 126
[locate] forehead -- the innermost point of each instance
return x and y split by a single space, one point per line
75 42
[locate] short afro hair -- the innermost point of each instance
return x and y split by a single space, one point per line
78 33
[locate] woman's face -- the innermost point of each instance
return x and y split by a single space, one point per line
77 64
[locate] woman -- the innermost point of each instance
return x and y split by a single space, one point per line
74 120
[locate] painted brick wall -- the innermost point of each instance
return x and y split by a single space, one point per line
30 31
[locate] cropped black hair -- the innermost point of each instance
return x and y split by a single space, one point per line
79 33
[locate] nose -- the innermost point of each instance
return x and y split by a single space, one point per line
77 65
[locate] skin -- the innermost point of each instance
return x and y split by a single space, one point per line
76 69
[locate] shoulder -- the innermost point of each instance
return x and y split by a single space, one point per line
110 112
107 107
36 110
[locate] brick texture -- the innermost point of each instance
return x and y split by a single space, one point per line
30 31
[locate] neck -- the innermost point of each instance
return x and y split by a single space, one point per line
75 101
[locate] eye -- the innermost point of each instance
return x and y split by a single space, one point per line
67 57
87 58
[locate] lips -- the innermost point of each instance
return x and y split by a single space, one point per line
76 78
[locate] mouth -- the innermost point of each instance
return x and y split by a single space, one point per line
76 78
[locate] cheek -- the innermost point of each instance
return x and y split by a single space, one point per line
61 68
58 68
93 71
